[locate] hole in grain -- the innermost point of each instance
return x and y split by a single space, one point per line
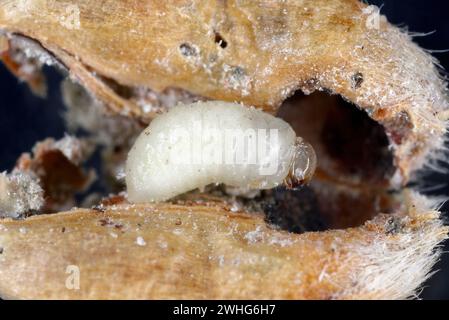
350 145
355 164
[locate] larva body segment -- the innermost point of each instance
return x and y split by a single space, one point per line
194 145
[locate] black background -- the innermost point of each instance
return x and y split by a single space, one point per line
24 118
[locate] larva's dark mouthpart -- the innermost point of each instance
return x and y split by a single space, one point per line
292 183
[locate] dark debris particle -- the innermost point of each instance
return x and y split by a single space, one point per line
220 40
106 222
393 226
63 229
1 250
178 222
357 80
187 50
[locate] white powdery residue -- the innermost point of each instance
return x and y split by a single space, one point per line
233 229
235 207
32 50
298 279
323 274
146 99
255 236
20 192
162 244
221 260
242 192
23 230
236 261
146 107
177 232
140 241
152 101
172 97
280 42
235 78
164 63
113 235
281 242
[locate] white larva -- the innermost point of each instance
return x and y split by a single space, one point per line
194 145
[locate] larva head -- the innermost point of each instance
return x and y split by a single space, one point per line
303 165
